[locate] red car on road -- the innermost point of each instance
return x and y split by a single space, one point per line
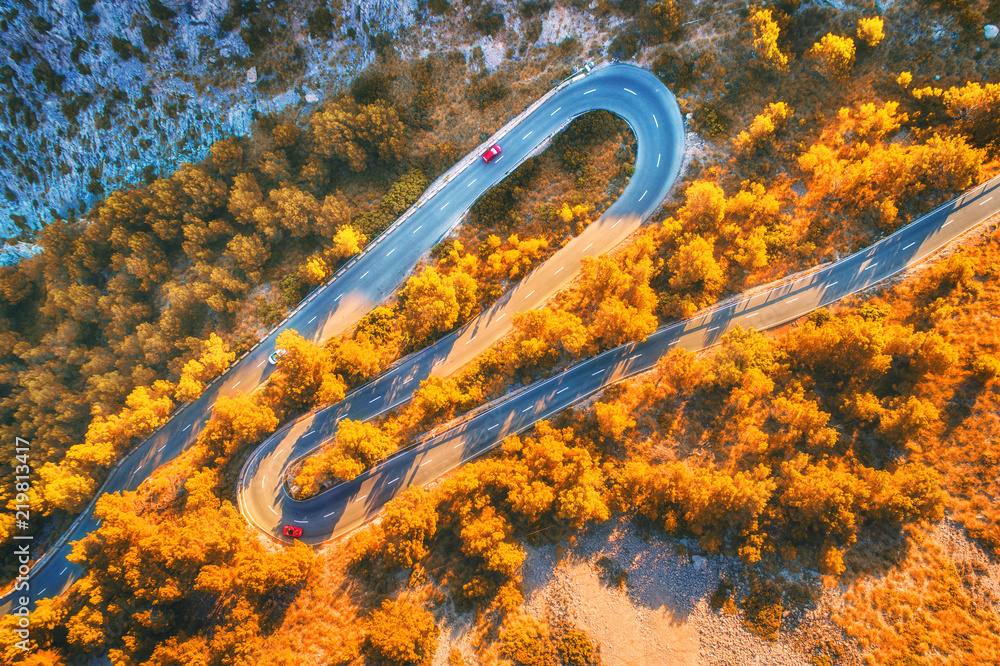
491 153
292 531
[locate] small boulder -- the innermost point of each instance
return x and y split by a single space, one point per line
252 75
698 561
991 31
311 98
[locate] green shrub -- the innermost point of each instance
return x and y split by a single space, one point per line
575 649
488 20
122 47
320 23
624 46
161 12
762 610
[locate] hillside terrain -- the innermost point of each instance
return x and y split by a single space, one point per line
826 493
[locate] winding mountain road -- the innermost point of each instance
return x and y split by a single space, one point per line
346 506
628 91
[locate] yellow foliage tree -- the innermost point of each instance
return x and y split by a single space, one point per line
833 56
871 30
433 303
694 267
215 357
764 125
765 33
347 242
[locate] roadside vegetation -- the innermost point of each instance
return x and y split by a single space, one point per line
826 448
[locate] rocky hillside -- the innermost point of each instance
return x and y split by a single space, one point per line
97 94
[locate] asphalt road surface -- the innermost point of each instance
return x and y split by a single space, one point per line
628 91
349 505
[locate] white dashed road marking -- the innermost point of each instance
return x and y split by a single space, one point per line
985 202
63 571
393 481
792 300
657 124
363 276
495 425
658 156
597 373
560 268
631 91
186 428
590 91
272 510
643 195
262 363
561 390
712 329
473 181
554 112
526 136
870 266
390 252
300 521
422 226
910 245
312 320
374 399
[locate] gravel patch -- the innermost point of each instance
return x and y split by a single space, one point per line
659 613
